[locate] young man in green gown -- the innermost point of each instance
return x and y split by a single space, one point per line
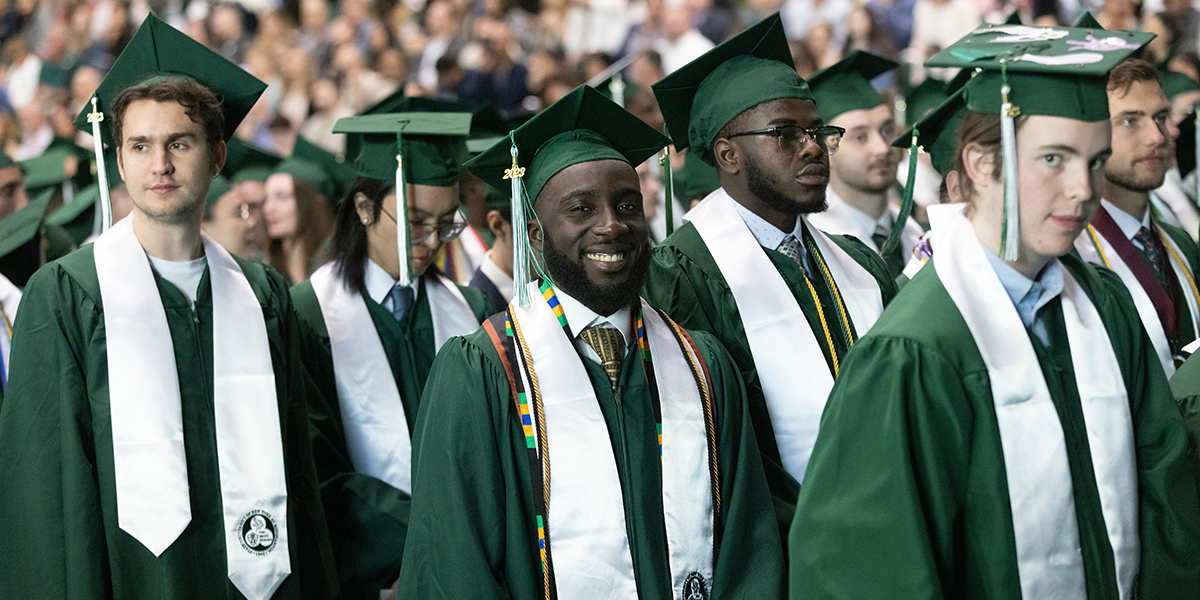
581 444
1005 430
786 300
155 435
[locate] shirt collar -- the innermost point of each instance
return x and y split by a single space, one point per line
1027 295
768 235
1128 223
846 219
379 283
580 317
503 281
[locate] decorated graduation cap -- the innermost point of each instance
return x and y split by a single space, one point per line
701 97
159 53
340 176
846 85
412 147
247 162
583 126
1050 71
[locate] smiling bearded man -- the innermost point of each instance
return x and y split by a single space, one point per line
581 437
785 299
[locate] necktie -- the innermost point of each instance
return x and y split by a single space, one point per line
790 246
1153 253
402 300
894 260
609 346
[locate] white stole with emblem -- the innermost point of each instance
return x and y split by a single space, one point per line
780 338
153 503
587 531
377 435
452 316
1106 256
1041 494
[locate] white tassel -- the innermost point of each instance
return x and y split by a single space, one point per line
404 245
1010 229
521 253
95 117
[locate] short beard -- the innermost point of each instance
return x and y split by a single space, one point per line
571 277
178 215
1129 180
759 185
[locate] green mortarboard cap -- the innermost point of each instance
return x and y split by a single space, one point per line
846 86
399 103
496 199
487 122
696 179
434 144
701 97
938 133
1053 71
308 172
923 98
157 49
219 187
21 226
1175 83
247 162
341 175
45 171
54 76
1087 21
476 146
79 216
583 126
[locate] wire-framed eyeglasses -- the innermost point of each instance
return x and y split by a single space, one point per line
791 138
419 232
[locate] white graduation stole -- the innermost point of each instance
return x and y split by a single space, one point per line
150 468
377 435
588 536
781 340
1049 558
10 299
452 316
1095 248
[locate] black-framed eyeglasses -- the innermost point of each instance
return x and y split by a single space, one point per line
791 138
419 232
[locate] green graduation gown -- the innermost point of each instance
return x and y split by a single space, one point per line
472 532
906 494
368 519
1191 256
59 533
685 282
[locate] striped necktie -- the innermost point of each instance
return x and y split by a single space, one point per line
790 246
609 345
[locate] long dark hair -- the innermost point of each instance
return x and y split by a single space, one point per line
348 247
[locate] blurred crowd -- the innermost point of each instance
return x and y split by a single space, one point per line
326 60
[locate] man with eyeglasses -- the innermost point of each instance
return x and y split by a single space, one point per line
863 172
1156 261
374 317
234 221
786 300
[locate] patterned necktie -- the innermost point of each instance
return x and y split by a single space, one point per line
1153 253
790 246
402 300
609 345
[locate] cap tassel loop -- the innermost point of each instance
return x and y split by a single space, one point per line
1010 229
403 237
95 117
520 219
669 184
906 202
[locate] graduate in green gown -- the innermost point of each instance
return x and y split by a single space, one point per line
785 299
580 444
373 338
1156 261
1005 431
155 436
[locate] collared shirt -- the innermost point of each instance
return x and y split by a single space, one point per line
770 236
503 281
1129 224
1029 296
379 284
843 219
580 317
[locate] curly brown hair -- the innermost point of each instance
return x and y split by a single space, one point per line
200 103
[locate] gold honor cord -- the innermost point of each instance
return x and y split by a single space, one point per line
543 451
706 401
1182 265
1100 249
837 298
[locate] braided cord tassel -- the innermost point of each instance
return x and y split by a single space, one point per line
95 117
520 219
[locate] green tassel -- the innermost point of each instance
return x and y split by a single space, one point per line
906 203
522 253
